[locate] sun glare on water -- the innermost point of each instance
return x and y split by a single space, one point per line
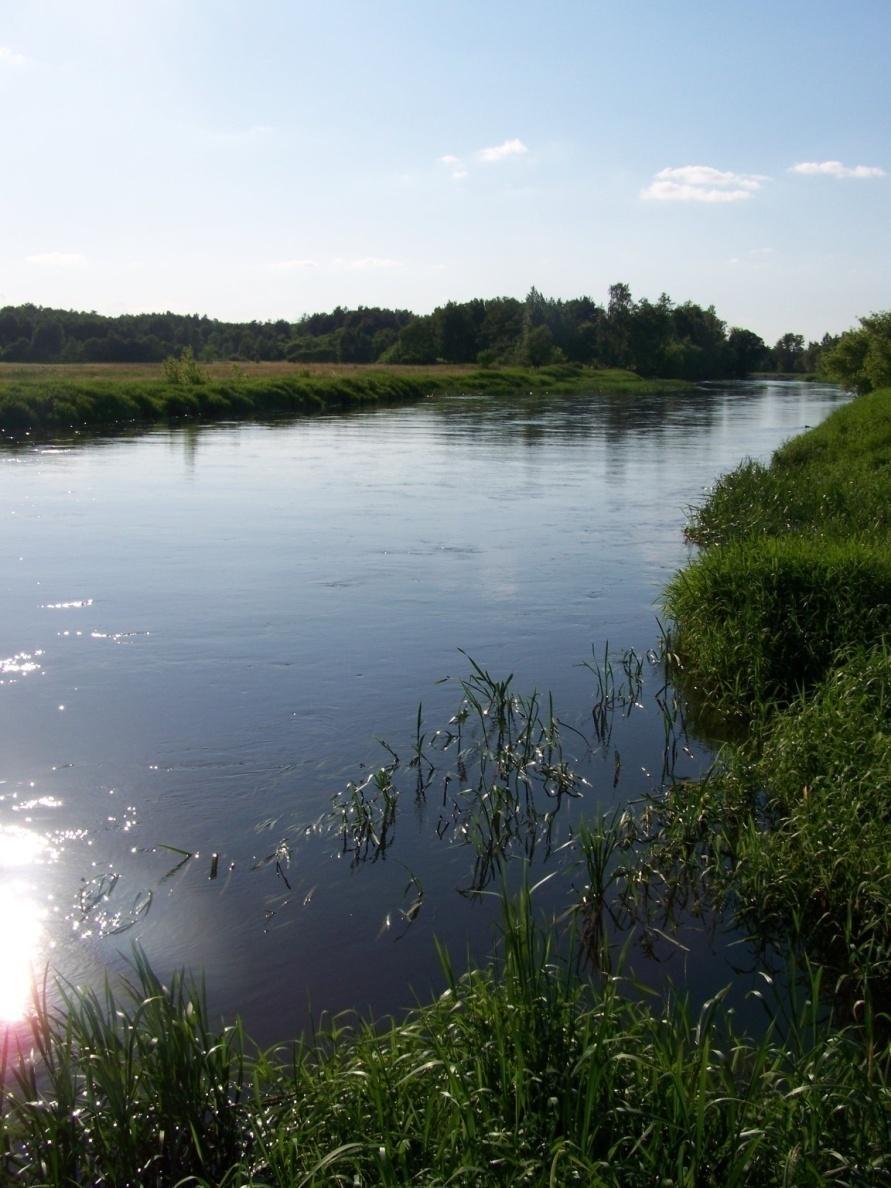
21 921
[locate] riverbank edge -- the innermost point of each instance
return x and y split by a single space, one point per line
525 1071
38 407
781 631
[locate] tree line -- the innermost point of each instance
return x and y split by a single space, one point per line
653 338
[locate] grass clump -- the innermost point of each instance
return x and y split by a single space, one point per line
131 1089
833 481
759 620
823 862
796 568
791 831
524 1071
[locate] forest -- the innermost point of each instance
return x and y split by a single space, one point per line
653 338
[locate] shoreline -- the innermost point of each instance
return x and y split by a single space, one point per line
34 406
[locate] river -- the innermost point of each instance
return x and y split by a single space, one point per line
205 630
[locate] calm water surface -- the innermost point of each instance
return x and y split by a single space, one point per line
205 630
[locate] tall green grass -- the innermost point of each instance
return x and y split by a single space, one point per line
832 481
759 620
797 564
524 1072
784 622
791 831
57 405
823 861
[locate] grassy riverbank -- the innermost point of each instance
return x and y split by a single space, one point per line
54 399
783 624
523 1072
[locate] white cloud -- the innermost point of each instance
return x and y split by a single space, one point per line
9 57
296 265
458 169
668 191
455 166
836 169
500 152
57 259
702 183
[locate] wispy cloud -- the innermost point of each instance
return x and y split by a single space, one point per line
296 265
454 165
459 169
10 57
57 259
702 183
755 256
501 152
836 169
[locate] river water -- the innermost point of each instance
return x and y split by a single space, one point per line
206 629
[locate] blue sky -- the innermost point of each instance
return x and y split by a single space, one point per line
277 158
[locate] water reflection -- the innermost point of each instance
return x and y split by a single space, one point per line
20 665
22 918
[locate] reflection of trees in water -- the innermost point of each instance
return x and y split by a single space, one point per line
613 418
189 436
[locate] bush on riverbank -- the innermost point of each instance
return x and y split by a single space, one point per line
524 1072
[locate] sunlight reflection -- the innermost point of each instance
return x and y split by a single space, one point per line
22 929
22 920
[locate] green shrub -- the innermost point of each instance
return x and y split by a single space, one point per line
184 368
